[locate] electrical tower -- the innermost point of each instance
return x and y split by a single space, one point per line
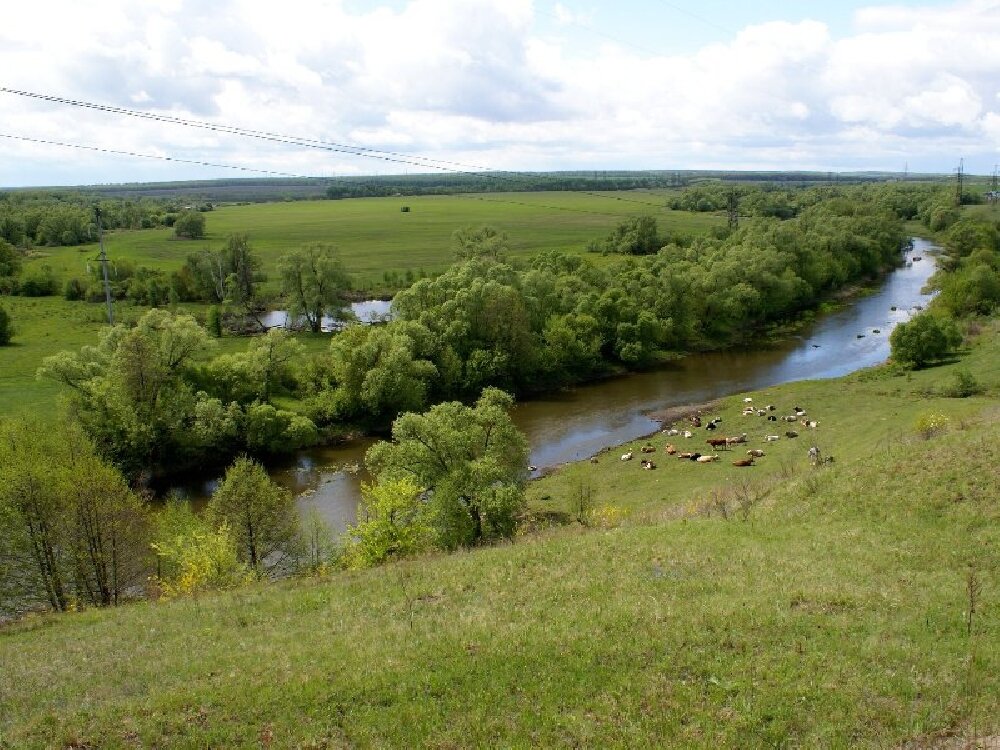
960 174
733 209
103 259
994 190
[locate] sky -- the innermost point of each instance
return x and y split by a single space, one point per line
521 85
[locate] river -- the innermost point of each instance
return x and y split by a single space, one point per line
576 423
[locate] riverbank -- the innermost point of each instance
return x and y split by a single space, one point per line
823 607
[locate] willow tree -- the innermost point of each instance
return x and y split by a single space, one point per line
314 281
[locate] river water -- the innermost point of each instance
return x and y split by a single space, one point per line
578 422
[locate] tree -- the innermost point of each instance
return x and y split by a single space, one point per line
10 259
6 328
190 225
393 521
925 338
74 532
260 513
379 370
314 281
191 555
214 322
472 461
482 242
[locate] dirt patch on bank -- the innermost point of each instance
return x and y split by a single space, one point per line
685 411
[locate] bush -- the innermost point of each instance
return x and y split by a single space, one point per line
40 283
929 425
963 385
6 327
75 290
190 225
925 338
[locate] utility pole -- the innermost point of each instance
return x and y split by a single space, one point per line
958 182
733 209
103 259
994 196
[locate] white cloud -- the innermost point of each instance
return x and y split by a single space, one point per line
475 80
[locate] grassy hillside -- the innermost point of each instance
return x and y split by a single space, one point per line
374 236
833 613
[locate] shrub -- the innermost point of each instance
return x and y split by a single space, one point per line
929 425
41 283
6 328
75 290
190 225
963 385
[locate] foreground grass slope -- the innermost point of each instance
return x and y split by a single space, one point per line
834 614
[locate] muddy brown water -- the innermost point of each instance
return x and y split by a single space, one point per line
576 423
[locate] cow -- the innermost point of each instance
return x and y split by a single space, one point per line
718 442
814 457
791 434
626 456
670 449
706 459
647 448
648 465
755 452
744 462
771 438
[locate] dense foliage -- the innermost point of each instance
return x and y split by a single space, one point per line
6 327
471 464
138 395
67 218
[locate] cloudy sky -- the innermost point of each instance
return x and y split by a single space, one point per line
501 84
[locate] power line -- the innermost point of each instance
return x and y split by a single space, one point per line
313 143
117 152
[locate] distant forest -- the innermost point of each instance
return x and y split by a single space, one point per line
255 190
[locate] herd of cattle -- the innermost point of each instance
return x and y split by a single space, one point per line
693 423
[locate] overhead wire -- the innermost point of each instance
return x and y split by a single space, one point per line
313 143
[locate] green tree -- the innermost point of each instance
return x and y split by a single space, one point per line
192 556
75 532
379 370
472 460
260 513
394 520
314 283
214 322
10 259
480 242
6 327
190 225
925 338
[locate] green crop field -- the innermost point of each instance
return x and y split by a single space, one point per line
374 236
832 611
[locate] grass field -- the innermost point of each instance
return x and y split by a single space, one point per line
834 613
374 236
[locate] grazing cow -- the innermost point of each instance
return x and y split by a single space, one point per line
648 465
799 413
755 452
761 412
739 439
771 438
711 426
790 418
747 400
593 459
706 459
771 418
810 423
744 462
814 455
686 454
695 420
718 442
694 456
797 408
672 432
771 407
647 448
791 433
626 456
670 449
688 433
532 468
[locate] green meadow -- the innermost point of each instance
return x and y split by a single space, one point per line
780 605
374 236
